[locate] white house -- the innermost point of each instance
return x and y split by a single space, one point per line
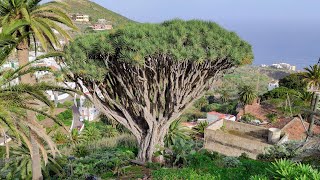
272 85
88 113
82 18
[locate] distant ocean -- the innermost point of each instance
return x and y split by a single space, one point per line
294 43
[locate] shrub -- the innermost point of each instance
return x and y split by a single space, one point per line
80 150
280 93
285 169
248 118
200 128
258 177
40 117
66 117
294 81
283 151
272 117
231 162
244 156
177 174
200 103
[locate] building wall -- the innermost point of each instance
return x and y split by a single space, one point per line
252 130
233 145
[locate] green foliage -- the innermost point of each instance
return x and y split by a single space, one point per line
66 117
312 76
294 81
231 162
81 150
194 41
272 117
285 169
179 174
176 131
66 104
247 95
40 117
202 102
178 153
200 128
60 138
211 164
102 161
19 165
280 93
282 151
90 134
248 118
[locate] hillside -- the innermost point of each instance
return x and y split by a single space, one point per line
95 11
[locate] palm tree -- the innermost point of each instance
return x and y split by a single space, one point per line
176 131
40 21
247 95
312 76
90 134
20 165
14 102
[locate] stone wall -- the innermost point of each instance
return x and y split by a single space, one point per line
251 130
250 140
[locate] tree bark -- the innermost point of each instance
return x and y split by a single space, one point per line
148 144
23 58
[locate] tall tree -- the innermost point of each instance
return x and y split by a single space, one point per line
42 20
145 75
312 76
247 95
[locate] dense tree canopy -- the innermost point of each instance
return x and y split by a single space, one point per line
294 81
145 75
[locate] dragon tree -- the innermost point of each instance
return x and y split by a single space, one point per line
145 75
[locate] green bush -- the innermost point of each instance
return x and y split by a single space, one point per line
66 117
280 93
181 174
81 150
231 162
285 169
40 117
272 117
282 151
248 118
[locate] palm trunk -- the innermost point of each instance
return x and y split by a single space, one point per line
23 58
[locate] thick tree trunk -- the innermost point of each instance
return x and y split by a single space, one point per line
149 143
23 58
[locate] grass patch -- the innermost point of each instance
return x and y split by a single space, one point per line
40 117
66 117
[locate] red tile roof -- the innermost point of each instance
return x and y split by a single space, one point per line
295 130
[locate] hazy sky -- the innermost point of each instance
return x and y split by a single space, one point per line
279 30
